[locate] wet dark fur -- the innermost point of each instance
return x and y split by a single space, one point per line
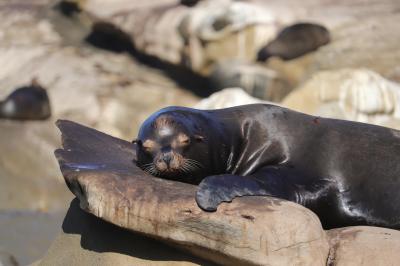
26 103
348 173
295 41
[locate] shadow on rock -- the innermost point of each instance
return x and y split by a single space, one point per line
109 37
100 236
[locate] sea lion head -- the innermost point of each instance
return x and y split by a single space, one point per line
172 145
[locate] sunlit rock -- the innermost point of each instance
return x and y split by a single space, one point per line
352 94
256 80
227 98
364 245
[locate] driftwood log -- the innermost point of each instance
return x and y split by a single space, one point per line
100 171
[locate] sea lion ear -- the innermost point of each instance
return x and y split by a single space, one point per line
199 138
137 142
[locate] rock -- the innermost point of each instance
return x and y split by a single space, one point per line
356 45
215 31
88 240
354 31
252 230
227 98
352 94
28 170
7 259
104 89
364 245
256 80
28 234
195 37
89 85
23 24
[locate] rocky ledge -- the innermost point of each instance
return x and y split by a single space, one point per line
99 170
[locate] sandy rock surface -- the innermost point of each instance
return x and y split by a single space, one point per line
352 94
7 259
362 245
26 235
363 35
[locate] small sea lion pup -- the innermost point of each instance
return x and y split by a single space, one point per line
295 41
348 173
26 103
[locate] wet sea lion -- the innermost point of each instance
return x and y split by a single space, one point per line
295 41
26 103
348 173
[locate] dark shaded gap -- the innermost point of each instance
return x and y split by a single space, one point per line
67 8
107 36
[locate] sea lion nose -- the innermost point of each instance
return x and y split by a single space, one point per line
167 158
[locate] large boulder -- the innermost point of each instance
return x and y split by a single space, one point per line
352 94
364 245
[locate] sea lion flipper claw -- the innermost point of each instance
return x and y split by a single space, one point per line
214 190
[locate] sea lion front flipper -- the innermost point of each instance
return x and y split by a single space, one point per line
214 190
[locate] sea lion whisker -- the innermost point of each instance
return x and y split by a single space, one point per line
194 163
189 166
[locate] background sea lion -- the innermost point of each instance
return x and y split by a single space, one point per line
26 103
295 41
348 173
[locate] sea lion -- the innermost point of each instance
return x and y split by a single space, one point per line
295 41
26 103
348 173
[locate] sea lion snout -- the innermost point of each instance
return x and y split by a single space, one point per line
168 162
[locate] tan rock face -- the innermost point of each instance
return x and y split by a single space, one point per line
7 259
24 185
362 245
352 94
357 45
256 80
196 37
363 36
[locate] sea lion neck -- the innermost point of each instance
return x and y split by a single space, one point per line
244 131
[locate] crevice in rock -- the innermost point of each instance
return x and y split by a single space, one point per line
296 244
109 37
67 8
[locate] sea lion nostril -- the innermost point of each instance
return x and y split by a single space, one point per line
167 158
